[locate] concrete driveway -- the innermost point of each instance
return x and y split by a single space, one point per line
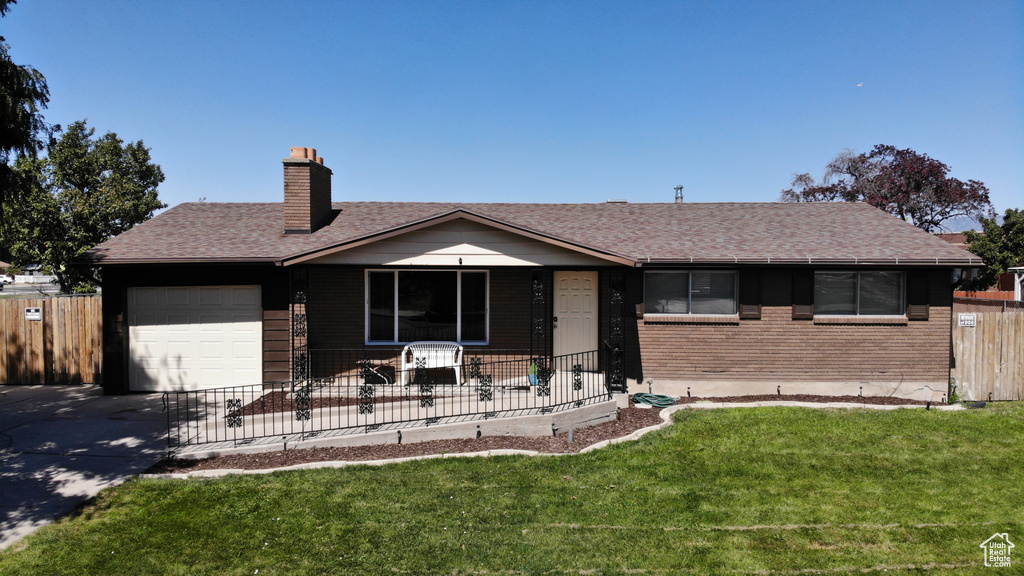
60 445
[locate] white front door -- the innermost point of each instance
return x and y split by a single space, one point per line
575 324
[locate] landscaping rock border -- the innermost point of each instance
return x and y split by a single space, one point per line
633 422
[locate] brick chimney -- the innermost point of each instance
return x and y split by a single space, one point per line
307 192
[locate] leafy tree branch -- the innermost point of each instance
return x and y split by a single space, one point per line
86 190
905 183
23 95
1001 246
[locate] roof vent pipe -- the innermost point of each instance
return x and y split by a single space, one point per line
679 194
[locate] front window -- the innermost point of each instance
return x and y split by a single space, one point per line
696 292
858 293
407 306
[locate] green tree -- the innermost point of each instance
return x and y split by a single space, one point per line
1001 246
23 93
903 182
85 191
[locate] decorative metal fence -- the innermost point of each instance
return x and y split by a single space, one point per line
371 398
330 362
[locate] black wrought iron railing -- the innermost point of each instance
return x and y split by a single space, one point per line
370 395
387 360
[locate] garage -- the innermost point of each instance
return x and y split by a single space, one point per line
194 337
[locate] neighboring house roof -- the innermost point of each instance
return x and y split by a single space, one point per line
712 233
958 238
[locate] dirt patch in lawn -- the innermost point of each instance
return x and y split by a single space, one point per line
629 420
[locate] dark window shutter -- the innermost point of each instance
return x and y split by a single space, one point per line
750 295
917 295
803 295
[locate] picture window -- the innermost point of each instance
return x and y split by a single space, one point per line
408 306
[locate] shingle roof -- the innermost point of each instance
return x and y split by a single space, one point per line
644 233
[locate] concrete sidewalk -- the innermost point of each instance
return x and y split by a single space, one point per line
60 445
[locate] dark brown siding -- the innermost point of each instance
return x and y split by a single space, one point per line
336 309
510 308
276 345
115 338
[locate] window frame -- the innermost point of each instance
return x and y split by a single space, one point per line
458 304
689 294
901 305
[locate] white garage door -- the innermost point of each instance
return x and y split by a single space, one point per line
194 337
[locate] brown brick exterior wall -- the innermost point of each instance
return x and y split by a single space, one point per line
307 195
774 348
778 348
337 315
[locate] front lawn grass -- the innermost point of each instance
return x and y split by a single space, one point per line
732 491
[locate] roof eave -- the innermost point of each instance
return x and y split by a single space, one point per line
810 260
454 215
217 260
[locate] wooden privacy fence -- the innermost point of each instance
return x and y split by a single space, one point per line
62 344
988 356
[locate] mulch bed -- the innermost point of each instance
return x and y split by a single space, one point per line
630 420
273 402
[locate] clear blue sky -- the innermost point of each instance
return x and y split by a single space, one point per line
534 101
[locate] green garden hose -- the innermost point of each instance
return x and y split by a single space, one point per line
656 400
